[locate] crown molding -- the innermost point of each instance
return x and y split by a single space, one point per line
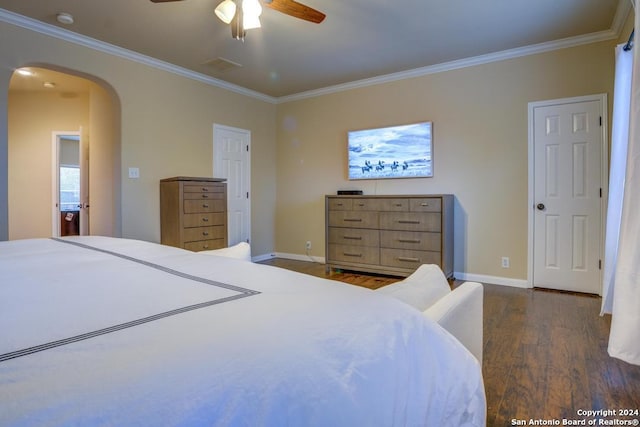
70 36
461 63
622 12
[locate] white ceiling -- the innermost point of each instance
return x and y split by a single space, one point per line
358 40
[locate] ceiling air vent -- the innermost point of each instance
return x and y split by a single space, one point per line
221 64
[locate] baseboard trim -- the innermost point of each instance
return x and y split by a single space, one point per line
300 257
494 280
285 255
263 257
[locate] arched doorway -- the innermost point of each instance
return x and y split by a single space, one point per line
41 103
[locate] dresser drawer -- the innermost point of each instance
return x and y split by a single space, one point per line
416 240
352 253
203 196
340 204
354 236
366 204
406 258
204 233
394 205
203 188
204 219
205 245
427 204
353 219
203 206
411 221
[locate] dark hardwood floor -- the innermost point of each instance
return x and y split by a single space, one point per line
545 353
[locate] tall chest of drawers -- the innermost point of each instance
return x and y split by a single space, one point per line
193 213
389 234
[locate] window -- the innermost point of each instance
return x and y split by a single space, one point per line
69 188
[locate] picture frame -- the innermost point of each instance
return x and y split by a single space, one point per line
400 151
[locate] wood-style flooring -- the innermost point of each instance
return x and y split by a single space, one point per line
545 352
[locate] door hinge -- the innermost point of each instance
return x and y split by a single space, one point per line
248 146
599 264
600 120
247 194
601 192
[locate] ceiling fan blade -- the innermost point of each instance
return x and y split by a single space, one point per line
295 9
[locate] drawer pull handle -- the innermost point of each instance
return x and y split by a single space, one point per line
205 196
424 204
205 233
403 221
205 189
409 240
353 219
352 237
204 205
398 205
339 204
402 258
360 204
352 254
205 219
205 246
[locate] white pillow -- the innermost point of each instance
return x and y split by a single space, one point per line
240 251
421 289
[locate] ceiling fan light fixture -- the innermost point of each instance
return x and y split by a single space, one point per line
226 11
251 8
251 11
250 22
237 26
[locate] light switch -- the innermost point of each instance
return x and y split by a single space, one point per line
134 173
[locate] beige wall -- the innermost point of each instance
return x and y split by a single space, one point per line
166 129
480 141
32 119
104 163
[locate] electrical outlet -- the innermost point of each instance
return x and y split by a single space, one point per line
308 244
505 262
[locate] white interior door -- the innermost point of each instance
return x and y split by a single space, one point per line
232 160
70 184
568 150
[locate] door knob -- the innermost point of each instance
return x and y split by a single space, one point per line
540 206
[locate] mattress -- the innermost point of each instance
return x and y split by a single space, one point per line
106 331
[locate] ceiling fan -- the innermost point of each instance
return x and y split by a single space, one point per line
244 15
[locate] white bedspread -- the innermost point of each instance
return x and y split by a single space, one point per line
138 334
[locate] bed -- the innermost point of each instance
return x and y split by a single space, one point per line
106 331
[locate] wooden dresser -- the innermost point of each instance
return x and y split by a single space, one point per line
193 213
389 234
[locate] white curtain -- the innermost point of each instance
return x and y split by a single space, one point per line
619 144
624 338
